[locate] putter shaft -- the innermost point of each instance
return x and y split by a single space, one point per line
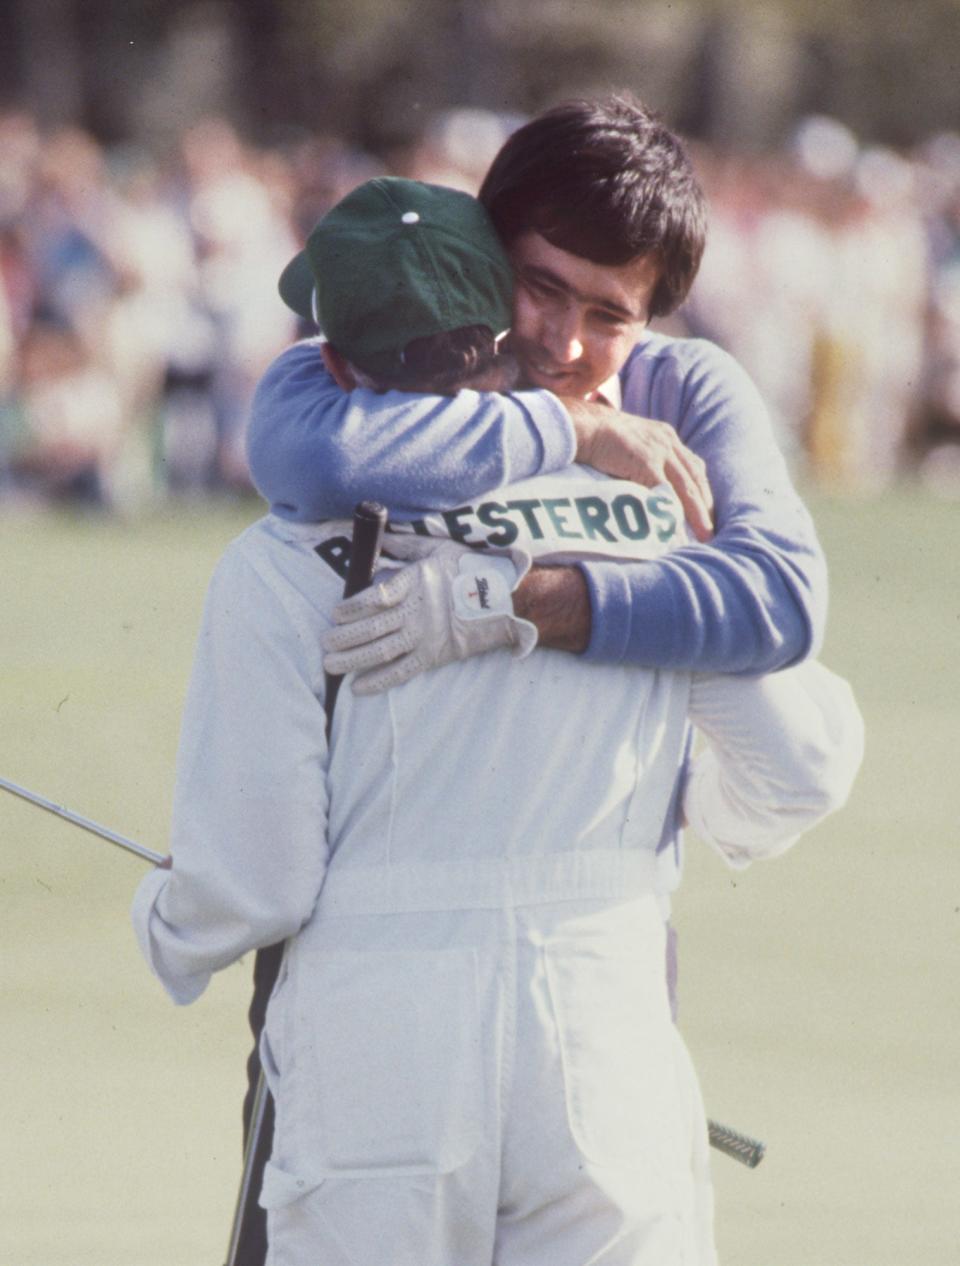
147 854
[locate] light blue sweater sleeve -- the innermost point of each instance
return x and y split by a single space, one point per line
755 598
751 601
314 451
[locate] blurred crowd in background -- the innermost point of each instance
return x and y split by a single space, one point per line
138 303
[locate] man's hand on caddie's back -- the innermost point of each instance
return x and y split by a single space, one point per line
448 603
647 452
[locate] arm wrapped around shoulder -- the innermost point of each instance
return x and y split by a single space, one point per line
781 753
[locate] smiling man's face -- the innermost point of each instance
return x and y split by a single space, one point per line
574 321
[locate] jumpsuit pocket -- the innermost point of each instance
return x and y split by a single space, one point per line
618 1050
281 1189
394 1080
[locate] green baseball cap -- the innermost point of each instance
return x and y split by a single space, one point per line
398 260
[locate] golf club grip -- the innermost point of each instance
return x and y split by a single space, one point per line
369 522
739 1147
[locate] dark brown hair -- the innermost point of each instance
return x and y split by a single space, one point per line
443 362
605 180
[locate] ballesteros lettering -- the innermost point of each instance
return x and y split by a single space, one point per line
613 519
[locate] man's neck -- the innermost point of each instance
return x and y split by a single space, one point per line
608 393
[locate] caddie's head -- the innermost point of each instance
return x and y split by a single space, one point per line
604 221
411 287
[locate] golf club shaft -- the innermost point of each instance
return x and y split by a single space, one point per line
147 854
246 1196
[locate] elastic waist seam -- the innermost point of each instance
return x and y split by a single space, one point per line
488 883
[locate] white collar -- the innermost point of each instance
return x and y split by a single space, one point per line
609 392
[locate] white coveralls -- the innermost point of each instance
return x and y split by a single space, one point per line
470 1044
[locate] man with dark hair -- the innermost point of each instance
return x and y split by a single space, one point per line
470 1043
604 223
606 181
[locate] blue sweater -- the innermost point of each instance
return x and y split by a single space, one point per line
751 601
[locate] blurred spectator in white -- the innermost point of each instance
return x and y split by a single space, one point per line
869 358
71 234
458 146
815 277
762 282
70 419
938 173
944 384
239 211
155 268
889 245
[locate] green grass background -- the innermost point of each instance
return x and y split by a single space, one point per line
819 991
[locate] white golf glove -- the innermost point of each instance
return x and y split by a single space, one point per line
449 603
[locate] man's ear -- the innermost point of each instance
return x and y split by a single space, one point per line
338 366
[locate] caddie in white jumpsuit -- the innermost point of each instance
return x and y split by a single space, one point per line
470 1044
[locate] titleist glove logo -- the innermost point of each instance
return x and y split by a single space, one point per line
482 589
482 592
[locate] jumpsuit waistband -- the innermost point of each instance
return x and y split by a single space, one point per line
488 883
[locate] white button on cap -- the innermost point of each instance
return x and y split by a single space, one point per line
410 217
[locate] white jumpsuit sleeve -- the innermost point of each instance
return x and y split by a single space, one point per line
782 752
249 817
